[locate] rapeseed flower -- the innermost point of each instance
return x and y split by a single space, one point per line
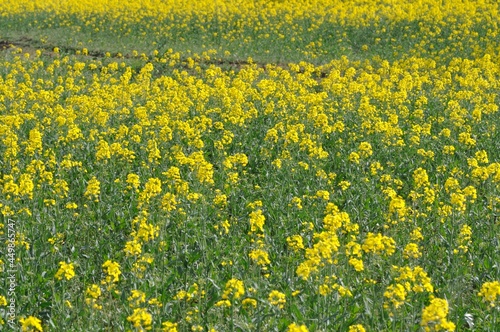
365 149
93 189
411 250
169 327
356 328
490 291
378 243
26 186
260 257
133 181
132 248
395 296
31 324
257 220
136 298
141 319
112 271
249 303
65 270
233 290
295 242
170 139
297 328
434 316
277 298
151 189
464 239
357 264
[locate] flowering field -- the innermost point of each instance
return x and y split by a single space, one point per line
249 165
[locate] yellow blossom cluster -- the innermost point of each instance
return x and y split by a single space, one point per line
490 291
434 316
409 280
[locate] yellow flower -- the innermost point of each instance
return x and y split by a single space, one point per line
257 220
356 328
132 248
141 319
260 257
295 242
297 328
141 264
220 199
398 208
354 157
323 194
249 303
31 324
365 149
343 291
378 243
416 234
375 167
169 327
277 163
357 264
133 181
61 187
464 239
324 289
490 291
103 151
482 156
154 301
65 269
395 295
223 303
466 139
234 289
304 165
298 202
169 202
9 186
449 149
93 189
254 204
353 248
152 188
26 186
71 206
93 291
136 298
420 178
411 251
154 154
277 298
190 294
112 270
434 316
344 185
416 276
458 200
